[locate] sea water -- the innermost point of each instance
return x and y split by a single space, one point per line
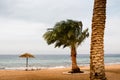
51 61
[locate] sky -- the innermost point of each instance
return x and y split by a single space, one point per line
23 23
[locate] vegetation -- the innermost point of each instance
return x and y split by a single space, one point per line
67 34
97 70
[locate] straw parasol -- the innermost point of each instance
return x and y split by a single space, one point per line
26 55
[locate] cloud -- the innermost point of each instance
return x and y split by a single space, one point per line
21 35
23 22
16 28
48 11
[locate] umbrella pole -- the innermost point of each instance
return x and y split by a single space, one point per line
26 63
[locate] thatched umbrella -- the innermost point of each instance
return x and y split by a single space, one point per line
26 55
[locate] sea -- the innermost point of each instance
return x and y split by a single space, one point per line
50 61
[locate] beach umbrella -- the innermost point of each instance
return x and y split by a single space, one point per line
26 55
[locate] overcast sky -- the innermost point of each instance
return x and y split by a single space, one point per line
23 23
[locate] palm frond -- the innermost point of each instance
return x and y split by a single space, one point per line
84 35
66 33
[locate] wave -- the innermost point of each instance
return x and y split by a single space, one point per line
30 68
39 68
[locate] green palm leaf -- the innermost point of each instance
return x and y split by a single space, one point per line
65 33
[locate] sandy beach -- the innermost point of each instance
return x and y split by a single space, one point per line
112 72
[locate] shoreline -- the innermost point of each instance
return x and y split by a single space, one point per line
56 67
112 73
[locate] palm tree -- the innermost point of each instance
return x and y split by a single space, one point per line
97 70
67 34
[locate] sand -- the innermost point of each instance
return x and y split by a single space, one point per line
112 73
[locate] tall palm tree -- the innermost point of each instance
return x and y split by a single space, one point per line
97 70
67 34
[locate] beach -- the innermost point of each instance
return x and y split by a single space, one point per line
112 73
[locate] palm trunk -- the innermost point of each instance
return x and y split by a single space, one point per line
97 70
75 68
